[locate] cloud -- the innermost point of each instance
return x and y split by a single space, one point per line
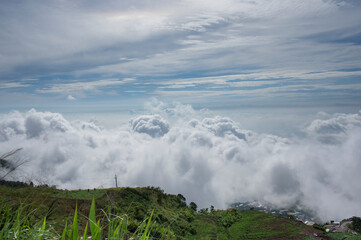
222 126
210 52
12 125
261 85
335 129
152 125
13 85
71 98
81 86
172 37
209 159
283 180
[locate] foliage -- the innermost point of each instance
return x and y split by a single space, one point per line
203 211
228 217
319 227
356 224
13 184
15 223
193 206
181 200
122 213
18 226
343 236
88 194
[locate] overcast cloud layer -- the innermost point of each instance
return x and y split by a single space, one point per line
210 159
274 52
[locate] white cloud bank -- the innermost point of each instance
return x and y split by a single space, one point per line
210 160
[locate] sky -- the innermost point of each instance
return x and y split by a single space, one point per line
221 101
228 54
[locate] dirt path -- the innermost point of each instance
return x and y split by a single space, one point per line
343 227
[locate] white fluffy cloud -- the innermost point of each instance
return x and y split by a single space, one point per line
221 126
333 129
210 160
153 125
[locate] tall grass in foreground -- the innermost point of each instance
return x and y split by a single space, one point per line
16 224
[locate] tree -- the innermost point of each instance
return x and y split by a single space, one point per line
181 197
203 211
8 164
193 206
181 200
356 224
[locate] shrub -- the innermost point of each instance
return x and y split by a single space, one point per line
356 224
193 206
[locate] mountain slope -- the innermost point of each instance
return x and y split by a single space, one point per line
170 212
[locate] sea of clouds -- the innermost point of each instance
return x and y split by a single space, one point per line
210 159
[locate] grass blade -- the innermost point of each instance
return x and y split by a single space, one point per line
147 228
85 231
63 236
92 219
75 224
43 226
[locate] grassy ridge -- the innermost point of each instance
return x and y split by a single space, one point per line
131 208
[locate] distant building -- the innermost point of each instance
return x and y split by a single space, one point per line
309 223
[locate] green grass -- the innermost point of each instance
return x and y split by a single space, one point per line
233 224
339 236
207 227
121 212
81 194
345 236
19 226
251 227
258 225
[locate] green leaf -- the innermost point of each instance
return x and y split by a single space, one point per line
44 224
92 219
98 233
75 224
147 228
85 231
63 236
39 235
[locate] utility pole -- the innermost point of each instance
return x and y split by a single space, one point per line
116 181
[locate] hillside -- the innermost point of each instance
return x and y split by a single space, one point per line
171 215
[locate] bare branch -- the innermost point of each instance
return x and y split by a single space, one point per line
8 154
10 166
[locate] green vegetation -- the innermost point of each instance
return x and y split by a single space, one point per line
121 213
19 226
319 227
82 194
235 224
356 224
343 236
